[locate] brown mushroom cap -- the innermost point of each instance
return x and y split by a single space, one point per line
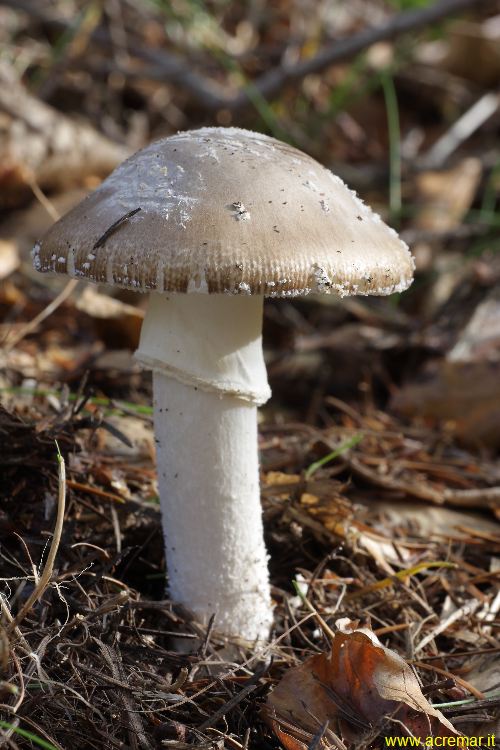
226 210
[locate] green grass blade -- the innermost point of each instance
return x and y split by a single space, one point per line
112 404
343 447
28 736
391 105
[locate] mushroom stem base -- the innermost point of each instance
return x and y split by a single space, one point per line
209 492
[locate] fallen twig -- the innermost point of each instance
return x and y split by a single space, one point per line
43 146
249 687
344 49
209 94
485 497
32 325
94 491
467 609
466 125
459 680
136 732
48 569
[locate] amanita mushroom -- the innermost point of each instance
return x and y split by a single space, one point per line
210 222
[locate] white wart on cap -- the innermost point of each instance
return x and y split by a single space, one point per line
224 210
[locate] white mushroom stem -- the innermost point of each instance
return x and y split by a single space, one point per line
209 377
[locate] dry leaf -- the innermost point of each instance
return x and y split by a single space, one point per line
118 324
466 394
9 258
23 227
446 196
358 685
39 144
478 41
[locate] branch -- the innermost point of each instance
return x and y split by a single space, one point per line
40 145
48 569
344 49
166 66
209 94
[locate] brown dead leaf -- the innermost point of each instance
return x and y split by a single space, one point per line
9 258
446 196
274 478
478 41
355 687
138 434
23 227
39 144
117 323
465 394
479 340
465 40
289 741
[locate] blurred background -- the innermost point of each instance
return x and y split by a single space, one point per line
400 98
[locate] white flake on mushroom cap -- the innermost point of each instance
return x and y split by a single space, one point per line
220 218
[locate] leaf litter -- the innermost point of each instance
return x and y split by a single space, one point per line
357 687
103 633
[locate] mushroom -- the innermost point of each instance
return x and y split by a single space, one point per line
210 222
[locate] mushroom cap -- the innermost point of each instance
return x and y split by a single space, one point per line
225 210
